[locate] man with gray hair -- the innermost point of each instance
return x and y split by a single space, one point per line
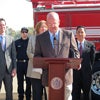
66 40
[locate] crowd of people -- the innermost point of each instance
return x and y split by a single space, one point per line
16 58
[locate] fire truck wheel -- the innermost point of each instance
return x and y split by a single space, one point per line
95 87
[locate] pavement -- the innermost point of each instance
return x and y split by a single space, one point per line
2 96
15 95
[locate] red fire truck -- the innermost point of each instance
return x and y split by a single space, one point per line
73 13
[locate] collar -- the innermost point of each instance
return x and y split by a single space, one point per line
56 34
3 35
81 42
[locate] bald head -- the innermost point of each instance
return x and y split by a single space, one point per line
53 22
53 15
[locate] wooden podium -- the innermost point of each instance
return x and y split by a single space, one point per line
56 77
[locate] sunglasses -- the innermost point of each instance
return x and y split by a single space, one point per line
24 32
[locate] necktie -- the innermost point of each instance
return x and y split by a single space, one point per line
55 42
80 49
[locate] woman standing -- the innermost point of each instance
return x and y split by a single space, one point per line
34 73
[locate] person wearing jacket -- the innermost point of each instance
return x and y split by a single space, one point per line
45 48
22 64
82 78
35 73
7 60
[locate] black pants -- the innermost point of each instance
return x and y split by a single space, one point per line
81 82
37 89
21 77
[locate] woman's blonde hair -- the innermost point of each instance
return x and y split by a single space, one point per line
38 25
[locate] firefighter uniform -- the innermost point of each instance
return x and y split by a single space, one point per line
22 63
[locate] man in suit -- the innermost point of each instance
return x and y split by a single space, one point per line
7 60
45 47
83 77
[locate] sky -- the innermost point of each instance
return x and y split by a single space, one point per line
17 13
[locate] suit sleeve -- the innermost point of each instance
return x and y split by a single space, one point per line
92 54
31 47
13 53
73 46
37 48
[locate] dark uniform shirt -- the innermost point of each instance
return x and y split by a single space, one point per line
21 47
22 64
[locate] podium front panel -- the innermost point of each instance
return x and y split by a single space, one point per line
56 81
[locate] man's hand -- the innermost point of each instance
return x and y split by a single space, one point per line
79 67
13 72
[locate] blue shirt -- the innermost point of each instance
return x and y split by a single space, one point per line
81 43
52 37
3 41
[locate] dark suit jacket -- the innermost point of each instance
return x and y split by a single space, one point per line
7 58
44 48
88 55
